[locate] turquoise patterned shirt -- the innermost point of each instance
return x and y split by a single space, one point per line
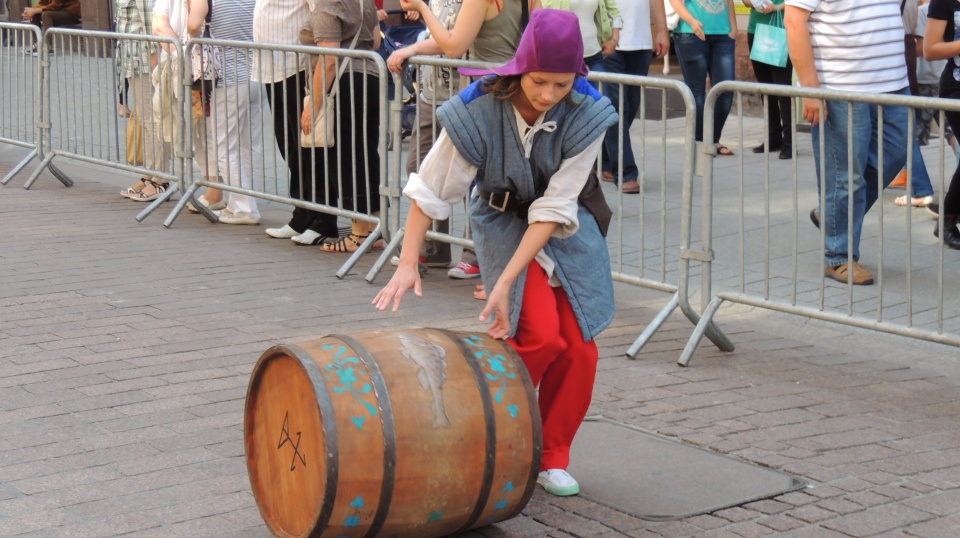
712 13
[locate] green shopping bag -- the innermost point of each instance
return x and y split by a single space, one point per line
769 45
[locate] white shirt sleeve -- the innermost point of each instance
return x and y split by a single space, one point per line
444 179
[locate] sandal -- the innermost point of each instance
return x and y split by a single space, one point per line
132 191
480 293
915 202
342 245
723 150
158 190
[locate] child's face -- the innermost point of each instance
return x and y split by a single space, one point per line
545 90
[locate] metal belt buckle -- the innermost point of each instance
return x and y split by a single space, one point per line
501 207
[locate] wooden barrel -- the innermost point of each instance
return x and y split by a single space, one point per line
406 433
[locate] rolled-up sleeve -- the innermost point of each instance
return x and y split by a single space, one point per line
559 202
444 179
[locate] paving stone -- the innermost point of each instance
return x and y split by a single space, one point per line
876 521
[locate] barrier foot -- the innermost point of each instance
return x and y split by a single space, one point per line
706 326
36 173
57 173
155 204
387 253
177 209
18 168
647 334
361 250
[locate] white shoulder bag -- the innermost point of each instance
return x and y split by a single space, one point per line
322 135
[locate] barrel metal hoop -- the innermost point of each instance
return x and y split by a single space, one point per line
491 423
389 433
331 443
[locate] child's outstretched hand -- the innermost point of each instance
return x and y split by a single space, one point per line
403 279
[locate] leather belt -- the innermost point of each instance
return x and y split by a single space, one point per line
505 201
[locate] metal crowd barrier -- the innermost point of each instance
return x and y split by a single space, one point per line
20 89
78 93
272 175
776 258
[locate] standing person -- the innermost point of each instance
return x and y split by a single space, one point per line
778 108
600 23
851 45
486 30
922 195
632 57
170 20
705 41
345 24
536 126
285 75
237 109
928 84
942 42
136 60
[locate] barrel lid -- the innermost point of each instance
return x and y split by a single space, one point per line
286 442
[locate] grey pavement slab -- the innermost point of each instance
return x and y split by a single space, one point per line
125 350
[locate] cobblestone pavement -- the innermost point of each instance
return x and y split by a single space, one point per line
125 351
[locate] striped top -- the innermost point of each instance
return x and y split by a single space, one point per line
233 20
279 21
857 44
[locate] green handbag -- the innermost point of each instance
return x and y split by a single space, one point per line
770 44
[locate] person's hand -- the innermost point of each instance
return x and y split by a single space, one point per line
412 15
661 43
412 5
404 278
398 58
306 119
381 15
697 28
811 111
498 303
608 47
30 12
733 34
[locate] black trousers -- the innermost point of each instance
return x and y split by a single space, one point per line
778 108
306 164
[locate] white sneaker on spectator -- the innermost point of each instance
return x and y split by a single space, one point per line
464 270
558 482
282 233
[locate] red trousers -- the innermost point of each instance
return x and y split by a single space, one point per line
549 341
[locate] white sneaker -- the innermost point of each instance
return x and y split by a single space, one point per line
203 201
227 217
558 482
309 237
282 233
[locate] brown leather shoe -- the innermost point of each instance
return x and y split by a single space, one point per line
861 277
630 187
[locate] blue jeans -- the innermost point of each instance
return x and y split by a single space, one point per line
713 56
627 62
863 147
595 65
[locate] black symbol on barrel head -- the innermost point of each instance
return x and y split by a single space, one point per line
285 438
